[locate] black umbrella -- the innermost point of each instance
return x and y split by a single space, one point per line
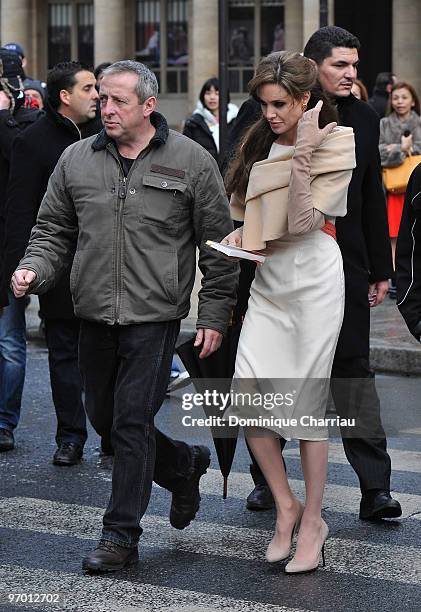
215 373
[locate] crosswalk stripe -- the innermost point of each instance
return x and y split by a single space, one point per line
337 498
90 594
399 563
404 460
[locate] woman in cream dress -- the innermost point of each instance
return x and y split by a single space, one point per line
288 184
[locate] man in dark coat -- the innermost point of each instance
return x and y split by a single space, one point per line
70 116
13 120
363 238
364 242
381 92
408 256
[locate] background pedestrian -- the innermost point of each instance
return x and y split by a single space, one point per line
203 125
14 118
359 90
400 136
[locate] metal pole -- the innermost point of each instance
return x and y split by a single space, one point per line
323 13
223 75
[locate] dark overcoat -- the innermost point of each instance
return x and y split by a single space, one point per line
408 256
363 233
34 156
197 129
11 125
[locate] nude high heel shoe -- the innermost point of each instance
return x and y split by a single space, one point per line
275 553
310 565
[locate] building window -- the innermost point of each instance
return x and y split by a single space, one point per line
70 32
85 33
256 28
59 33
162 41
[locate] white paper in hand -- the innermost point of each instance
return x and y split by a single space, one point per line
233 251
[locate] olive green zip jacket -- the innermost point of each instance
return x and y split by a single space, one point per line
134 239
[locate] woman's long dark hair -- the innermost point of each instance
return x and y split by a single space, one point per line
297 75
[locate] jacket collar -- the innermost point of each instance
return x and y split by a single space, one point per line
27 115
78 131
161 135
344 102
410 124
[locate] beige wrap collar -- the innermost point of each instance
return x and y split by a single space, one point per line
264 211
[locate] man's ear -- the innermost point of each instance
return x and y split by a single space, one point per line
149 106
64 97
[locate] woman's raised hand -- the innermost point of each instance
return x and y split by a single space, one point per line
235 238
309 135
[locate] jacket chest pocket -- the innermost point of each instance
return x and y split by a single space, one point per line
163 202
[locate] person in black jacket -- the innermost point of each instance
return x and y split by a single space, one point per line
203 125
408 256
14 118
70 116
363 239
381 93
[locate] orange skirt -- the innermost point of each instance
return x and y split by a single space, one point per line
394 212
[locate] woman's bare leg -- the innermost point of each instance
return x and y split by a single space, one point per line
265 448
314 458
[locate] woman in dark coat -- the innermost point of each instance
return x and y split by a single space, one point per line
408 256
203 125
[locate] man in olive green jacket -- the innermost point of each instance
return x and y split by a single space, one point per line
131 205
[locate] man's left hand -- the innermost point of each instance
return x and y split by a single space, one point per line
211 340
377 292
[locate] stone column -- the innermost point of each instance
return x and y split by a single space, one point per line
16 26
110 43
311 18
331 13
406 50
203 51
293 25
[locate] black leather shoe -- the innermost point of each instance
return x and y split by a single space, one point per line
7 440
260 498
185 505
110 557
68 453
379 505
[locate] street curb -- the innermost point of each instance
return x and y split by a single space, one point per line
405 361
397 360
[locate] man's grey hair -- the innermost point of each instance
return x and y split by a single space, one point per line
147 85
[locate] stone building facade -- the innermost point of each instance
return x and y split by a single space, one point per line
178 38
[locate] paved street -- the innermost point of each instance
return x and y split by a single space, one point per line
51 516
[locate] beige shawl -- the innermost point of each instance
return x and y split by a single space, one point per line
264 211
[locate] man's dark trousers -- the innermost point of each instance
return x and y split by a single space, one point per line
62 337
355 396
125 371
